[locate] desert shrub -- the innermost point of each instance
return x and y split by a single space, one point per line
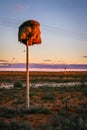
82 109
32 93
7 112
20 126
70 122
14 125
48 96
4 125
19 100
46 127
38 109
18 85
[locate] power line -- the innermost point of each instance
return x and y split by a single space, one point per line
15 23
58 31
62 30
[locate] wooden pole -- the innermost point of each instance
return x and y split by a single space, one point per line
27 78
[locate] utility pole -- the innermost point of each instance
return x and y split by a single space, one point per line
29 34
27 77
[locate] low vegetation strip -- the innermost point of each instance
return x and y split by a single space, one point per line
35 77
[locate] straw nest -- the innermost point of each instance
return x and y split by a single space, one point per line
29 32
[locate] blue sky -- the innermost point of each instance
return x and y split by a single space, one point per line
63 31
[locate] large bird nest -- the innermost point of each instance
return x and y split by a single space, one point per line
29 32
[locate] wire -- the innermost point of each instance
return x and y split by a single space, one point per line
48 29
63 30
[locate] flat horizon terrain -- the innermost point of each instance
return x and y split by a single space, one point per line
58 101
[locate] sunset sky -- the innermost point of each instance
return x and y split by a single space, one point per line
63 31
